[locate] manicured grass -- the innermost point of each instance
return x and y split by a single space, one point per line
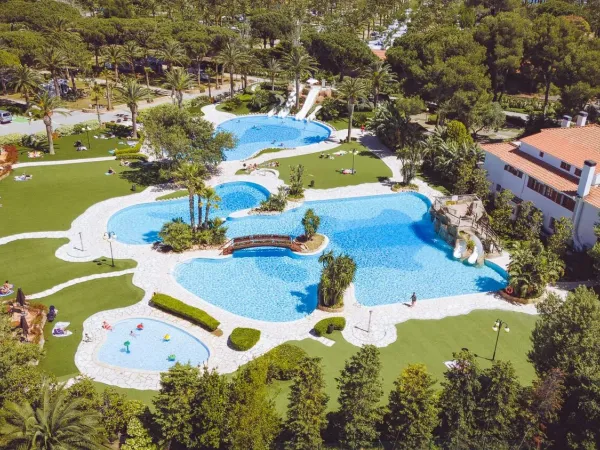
342 122
242 110
65 148
172 195
430 342
326 172
145 397
31 264
75 304
434 182
56 195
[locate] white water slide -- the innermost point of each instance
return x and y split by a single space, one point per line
313 115
308 103
289 104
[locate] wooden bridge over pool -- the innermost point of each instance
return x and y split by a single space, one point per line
261 240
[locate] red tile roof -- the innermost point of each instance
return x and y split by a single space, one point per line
573 145
379 53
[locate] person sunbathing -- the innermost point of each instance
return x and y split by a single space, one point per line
110 171
106 325
6 288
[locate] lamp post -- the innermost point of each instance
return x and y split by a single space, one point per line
87 130
109 237
498 325
353 154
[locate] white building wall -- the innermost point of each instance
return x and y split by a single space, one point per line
585 226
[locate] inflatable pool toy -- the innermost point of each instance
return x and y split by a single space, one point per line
140 327
127 344
167 337
171 358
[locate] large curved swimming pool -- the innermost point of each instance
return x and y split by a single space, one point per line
390 237
140 224
256 132
148 348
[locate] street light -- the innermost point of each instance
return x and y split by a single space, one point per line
499 325
87 130
110 237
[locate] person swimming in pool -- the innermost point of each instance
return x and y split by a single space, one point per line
132 334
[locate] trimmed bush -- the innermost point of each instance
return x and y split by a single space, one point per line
283 361
185 311
243 339
135 156
339 323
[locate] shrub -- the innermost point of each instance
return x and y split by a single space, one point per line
135 149
232 103
13 138
243 339
275 202
177 234
133 156
118 130
200 101
339 323
332 109
178 308
360 119
283 361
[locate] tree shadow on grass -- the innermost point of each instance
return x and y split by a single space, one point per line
143 174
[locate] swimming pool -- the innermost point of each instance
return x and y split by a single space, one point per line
140 224
257 132
148 350
390 237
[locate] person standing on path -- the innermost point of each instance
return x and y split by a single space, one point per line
413 299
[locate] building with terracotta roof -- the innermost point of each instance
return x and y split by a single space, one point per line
555 170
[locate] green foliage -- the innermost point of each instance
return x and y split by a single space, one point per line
117 411
532 267
501 214
232 104
392 122
132 157
177 235
339 323
360 392
296 188
180 309
332 108
411 159
564 339
138 437
412 411
283 361
457 132
242 339
360 119
275 202
306 408
337 274
528 224
310 223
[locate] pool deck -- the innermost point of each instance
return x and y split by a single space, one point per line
154 274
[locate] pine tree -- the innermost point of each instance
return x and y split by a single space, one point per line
306 408
412 409
360 389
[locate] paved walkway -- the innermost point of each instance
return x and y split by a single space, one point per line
64 161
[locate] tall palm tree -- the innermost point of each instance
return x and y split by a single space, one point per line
298 63
26 81
114 55
55 61
200 188
211 73
272 69
131 93
97 93
47 105
211 197
379 74
189 175
178 80
131 52
232 57
58 423
106 74
352 89
172 53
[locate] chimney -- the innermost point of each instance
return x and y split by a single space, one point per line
587 178
566 122
582 118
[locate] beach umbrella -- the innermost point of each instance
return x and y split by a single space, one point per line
24 325
20 297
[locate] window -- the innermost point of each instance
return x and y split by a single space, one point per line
565 166
498 188
541 154
512 170
577 172
564 200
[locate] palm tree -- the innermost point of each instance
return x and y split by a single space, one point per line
97 93
211 73
106 74
26 81
272 69
211 197
131 93
379 74
58 423
178 80
393 126
131 52
232 57
189 175
172 53
200 188
47 105
352 89
298 64
114 55
337 274
54 60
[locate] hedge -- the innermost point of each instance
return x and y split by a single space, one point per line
243 339
283 361
124 151
185 311
136 156
339 323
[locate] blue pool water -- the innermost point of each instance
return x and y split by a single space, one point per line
148 350
390 237
256 133
140 224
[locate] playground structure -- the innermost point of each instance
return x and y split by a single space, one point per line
261 240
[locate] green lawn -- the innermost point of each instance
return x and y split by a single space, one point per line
31 264
65 148
56 195
430 342
326 172
242 110
342 122
75 304
177 194
435 182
